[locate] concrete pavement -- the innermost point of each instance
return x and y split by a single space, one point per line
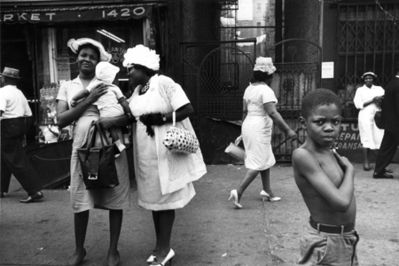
209 231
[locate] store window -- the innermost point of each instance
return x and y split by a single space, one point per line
58 64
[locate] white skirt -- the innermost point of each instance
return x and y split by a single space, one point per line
370 134
256 134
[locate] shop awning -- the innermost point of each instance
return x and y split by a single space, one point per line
74 13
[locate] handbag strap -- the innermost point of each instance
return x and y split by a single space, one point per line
174 118
100 131
91 137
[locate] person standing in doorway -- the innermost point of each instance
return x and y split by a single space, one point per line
390 117
367 99
14 111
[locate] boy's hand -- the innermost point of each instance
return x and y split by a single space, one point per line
343 162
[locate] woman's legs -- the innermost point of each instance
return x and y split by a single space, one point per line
265 176
163 223
366 162
80 222
248 178
115 225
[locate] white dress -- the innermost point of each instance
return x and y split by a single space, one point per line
82 199
257 127
370 134
164 179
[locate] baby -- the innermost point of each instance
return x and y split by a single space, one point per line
113 103
326 182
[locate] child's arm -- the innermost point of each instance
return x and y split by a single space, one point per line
307 166
79 96
125 105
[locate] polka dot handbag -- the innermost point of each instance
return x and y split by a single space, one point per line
180 140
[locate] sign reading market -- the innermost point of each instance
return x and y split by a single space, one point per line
74 14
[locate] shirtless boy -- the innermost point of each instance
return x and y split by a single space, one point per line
325 180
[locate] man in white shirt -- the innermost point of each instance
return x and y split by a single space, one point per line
14 111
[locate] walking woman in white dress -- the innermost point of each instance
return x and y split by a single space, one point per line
164 178
259 113
367 99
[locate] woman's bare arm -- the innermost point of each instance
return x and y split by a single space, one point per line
66 116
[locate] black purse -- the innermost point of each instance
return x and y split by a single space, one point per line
378 119
98 163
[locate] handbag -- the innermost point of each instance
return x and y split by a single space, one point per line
378 119
236 151
180 140
98 163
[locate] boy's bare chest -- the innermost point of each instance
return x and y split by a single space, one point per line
331 169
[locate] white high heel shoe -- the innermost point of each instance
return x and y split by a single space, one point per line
234 196
266 195
166 260
151 259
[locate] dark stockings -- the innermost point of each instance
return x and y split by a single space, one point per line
163 223
81 220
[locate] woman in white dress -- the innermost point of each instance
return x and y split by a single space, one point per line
164 178
259 113
368 99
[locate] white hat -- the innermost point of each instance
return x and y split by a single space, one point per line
264 64
369 73
106 71
141 55
75 44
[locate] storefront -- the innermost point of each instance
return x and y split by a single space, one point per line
34 35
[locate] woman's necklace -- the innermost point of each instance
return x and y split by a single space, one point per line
145 88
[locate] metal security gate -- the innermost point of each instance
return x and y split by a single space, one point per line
298 72
223 75
368 40
215 77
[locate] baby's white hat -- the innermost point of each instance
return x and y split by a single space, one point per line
106 71
264 64
141 55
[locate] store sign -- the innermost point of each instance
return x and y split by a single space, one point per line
72 15
349 138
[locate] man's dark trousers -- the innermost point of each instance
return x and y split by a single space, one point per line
14 159
387 151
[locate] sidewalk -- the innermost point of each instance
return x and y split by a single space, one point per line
208 231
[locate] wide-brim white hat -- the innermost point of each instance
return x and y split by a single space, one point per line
75 44
369 73
141 55
264 64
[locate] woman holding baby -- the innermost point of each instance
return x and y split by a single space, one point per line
89 53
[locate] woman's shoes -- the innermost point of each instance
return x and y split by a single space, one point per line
266 195
151 258
166 261
234 196
367 167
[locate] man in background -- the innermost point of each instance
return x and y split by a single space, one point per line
14 111
390 117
